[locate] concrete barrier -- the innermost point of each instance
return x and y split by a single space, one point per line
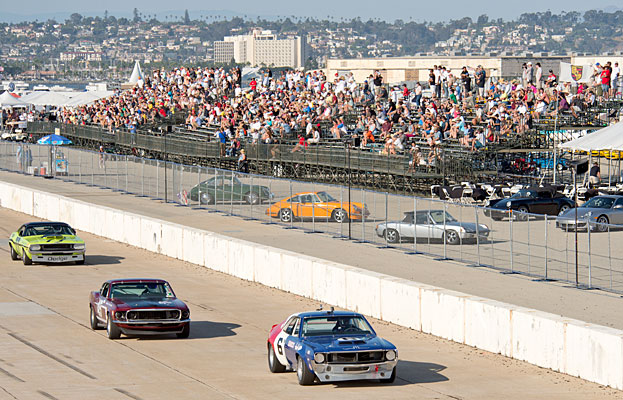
589 351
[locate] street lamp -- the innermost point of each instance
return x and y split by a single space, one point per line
348 144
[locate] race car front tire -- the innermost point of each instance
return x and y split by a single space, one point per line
391 379
93 319
14 255
27 260
273 363
305 376
112 329
185 332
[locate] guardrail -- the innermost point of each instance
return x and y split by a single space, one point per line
519 243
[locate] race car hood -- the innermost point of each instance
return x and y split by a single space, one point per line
347 343
150 303
45 239
582 213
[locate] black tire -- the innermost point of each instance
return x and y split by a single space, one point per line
563 208
252 198
112 330
81 262
27 260
185 332
451 237
391 378
14 255
339 215
305 376
95 325
392 236
496 218
602 223
285 215
207 198
274 364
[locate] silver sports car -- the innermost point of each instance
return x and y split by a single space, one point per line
600 211
430 224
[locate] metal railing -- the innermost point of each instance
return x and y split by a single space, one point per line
511 242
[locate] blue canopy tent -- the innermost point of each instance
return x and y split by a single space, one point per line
54 140
56 165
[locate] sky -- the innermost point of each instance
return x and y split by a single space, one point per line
418 10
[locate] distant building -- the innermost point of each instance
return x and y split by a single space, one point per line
403 69
262 48
81 55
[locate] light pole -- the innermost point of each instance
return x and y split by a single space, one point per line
348 145
166 158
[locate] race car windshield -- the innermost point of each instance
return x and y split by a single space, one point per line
599 202
325 197
524 194
336 325
437 217
136 291
51 229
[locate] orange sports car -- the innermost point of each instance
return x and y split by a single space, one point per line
316 205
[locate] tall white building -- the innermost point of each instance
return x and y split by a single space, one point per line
262 48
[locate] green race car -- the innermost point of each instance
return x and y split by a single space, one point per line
229 188
47 242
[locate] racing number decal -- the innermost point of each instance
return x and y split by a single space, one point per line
280 346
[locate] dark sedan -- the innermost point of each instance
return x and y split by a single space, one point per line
531 200
229 188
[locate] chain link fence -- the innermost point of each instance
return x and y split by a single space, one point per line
521 243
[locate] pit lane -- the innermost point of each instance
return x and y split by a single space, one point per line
48 351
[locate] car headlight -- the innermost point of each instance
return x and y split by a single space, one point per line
356 208
185 314
79 246
390 355
319 358
119 315
35 247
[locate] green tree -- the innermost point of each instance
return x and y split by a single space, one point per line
186 17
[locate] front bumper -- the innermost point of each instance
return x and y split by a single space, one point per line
473 235
151 327
351 372
56 256
570 225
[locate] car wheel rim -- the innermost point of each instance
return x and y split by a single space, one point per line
206 198
451 236
391 236
339 215
602 224
271 357
563 209
285 215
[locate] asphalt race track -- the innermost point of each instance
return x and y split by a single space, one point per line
48 351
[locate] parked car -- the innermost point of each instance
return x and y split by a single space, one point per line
330 346
429 225
316 205
600 211
531 200
138 307
46 242
229 188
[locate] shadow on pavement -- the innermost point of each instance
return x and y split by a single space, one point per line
408 373
96 259
211 329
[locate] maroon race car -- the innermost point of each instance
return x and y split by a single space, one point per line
138 307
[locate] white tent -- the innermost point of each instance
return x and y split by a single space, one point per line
89 97
609 138
136 74
45 98
8 101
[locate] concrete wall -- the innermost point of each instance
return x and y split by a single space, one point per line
591 352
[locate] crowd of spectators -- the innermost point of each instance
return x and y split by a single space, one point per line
470 109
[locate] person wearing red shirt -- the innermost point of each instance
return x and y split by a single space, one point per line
606 72
253 84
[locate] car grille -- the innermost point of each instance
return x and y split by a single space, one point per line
57 246
152 315
356 357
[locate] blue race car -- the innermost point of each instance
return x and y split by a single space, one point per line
330 346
